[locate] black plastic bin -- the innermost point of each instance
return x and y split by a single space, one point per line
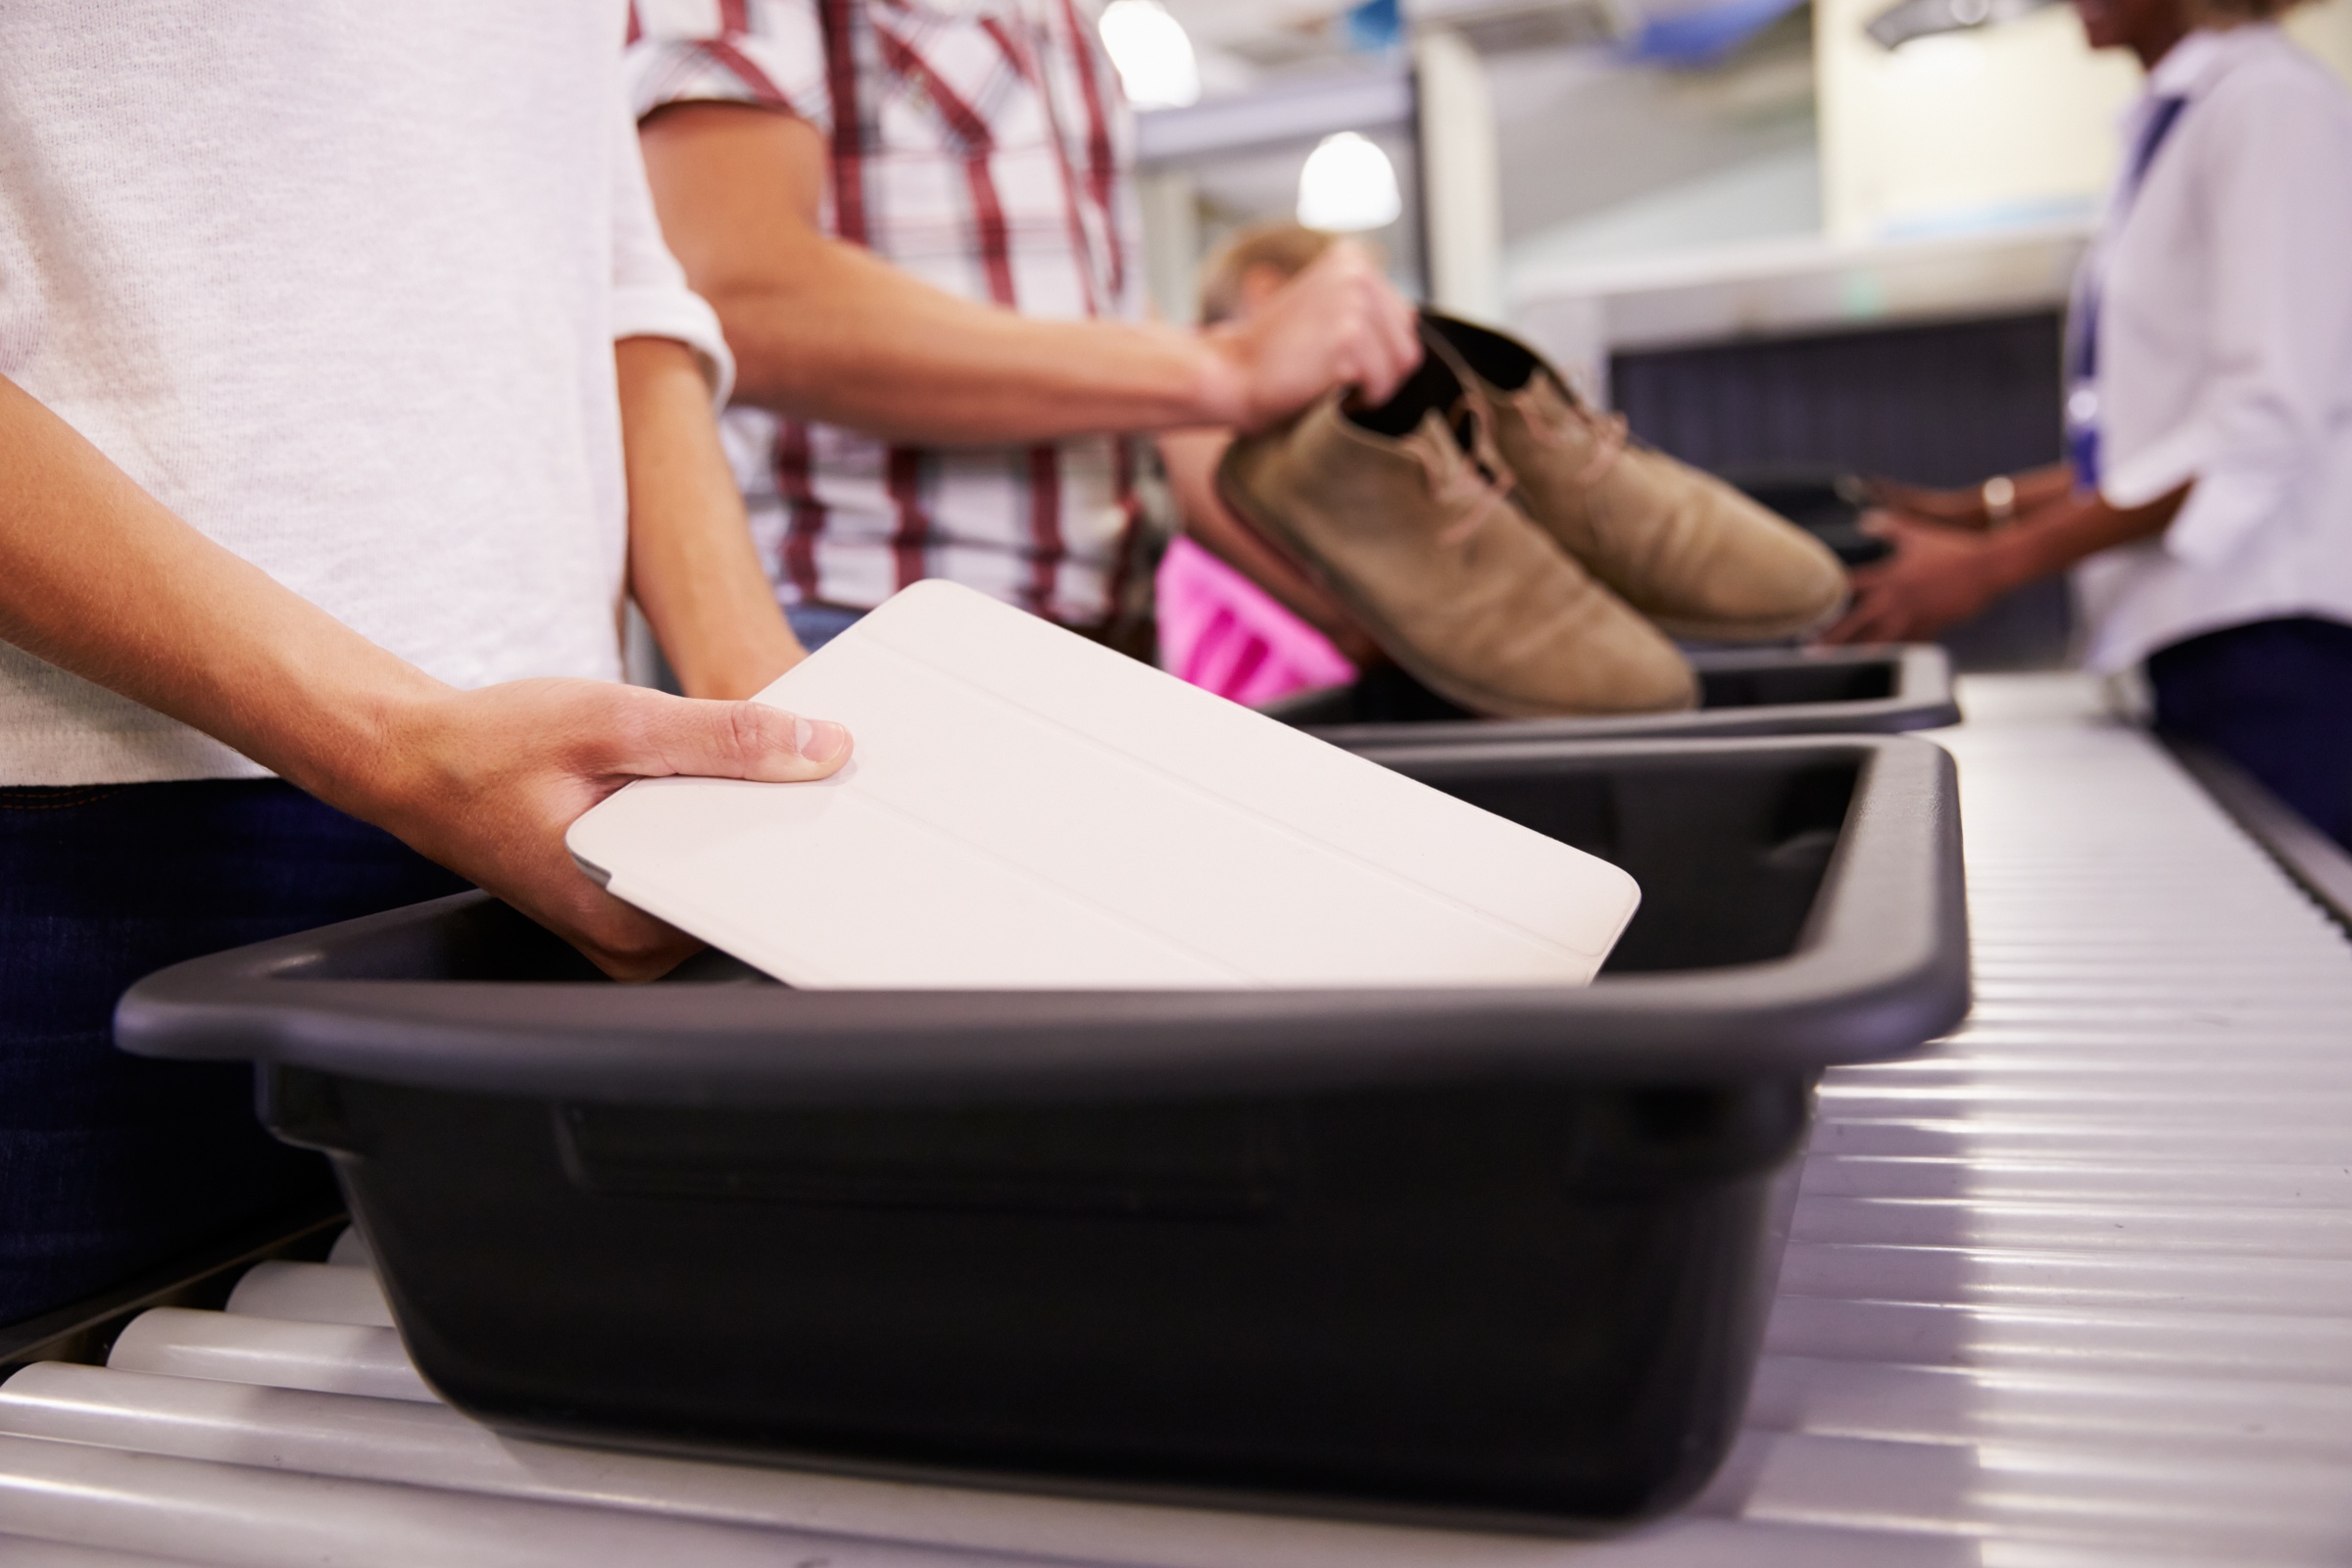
1499 1254
1748 691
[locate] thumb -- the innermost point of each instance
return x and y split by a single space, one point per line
747 740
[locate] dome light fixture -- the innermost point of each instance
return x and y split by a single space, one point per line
1908 19
1152 54
1348 186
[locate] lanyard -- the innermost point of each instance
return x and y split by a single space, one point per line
2082 326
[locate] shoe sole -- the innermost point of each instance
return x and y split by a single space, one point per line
1458 692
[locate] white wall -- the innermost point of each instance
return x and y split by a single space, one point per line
1976 129
2327 31
1981 129
1460 183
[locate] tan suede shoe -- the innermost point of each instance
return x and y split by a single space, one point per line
1680 546
1421 542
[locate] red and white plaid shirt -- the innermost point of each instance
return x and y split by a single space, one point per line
981 145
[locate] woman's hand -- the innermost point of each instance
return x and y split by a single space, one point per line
1937 578
1941 575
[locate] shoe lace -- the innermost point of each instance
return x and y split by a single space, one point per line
1473 484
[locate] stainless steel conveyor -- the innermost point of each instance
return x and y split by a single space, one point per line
2072 1289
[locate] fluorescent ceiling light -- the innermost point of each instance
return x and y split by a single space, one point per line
1348 185
1154 56
1901 23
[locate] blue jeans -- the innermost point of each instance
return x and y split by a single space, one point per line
109 1163
819 624
2274 696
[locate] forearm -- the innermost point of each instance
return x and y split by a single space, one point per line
2071 529
1191 459
97 577
2037 488
1941 575
1973 506
847 340
824 329
692 567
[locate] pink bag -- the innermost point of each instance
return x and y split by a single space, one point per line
1222 632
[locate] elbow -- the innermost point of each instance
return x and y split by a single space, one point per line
771 361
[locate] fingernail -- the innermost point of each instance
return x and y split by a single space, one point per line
820 740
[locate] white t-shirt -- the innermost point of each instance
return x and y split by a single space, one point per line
339 286
2225 350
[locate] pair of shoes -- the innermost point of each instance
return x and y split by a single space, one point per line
1404 512
1551 602
1694 554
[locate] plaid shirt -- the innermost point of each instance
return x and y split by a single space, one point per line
982 146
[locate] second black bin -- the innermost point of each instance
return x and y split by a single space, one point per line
1743 691
1484 1253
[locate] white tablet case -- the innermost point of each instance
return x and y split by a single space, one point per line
1028 809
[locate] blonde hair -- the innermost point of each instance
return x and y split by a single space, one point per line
1285 247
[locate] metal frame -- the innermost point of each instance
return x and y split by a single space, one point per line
1921 700
2314 859
85 1330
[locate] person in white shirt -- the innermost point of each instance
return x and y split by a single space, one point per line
2206 504
345 384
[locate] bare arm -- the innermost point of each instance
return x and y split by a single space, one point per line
2034 489
97 577
824 330
1191 459
1940 576
691 563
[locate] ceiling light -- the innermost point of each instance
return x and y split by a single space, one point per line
1154 56
1900 23
1348 185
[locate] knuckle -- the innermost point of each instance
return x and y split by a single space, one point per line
632 727
747 730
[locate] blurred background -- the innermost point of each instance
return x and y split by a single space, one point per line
1788 240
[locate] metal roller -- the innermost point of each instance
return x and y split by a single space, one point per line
268 1518
21 1551
434 1447
229 1347
312 1292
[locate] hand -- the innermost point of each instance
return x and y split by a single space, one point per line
1338 323
487 781
98 577
1937 578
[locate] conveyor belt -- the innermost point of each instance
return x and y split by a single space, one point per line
2072 1289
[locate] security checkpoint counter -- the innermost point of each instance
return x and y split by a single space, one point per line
2073 1286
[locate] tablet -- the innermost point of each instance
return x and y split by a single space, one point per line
1028 809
